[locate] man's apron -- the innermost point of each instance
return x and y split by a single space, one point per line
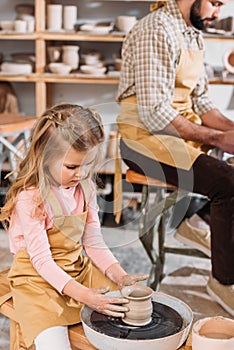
166 149
37 304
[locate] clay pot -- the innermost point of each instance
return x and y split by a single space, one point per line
70 55
140 305
213 333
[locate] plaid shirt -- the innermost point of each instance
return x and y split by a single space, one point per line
151 53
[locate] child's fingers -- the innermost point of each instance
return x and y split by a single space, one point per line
101 290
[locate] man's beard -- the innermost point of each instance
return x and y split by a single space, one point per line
195 17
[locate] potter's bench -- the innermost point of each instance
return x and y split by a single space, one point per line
152 222
76 333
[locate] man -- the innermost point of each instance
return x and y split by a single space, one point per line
166 118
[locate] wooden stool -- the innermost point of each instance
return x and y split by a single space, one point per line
16 127
152 222
76 333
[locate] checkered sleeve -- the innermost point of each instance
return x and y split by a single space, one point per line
200 99
154 78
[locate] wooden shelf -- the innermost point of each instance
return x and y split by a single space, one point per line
18 36
19 78
76 78
216 37
80 36
221 81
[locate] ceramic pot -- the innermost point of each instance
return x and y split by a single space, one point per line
213 333
54 17
69 17
140 305
70 55
125 23
20 26
54 53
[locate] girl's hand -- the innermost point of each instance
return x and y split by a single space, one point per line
96 299
128 280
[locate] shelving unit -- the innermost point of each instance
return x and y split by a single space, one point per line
41 38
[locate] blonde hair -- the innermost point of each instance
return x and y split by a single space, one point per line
65 124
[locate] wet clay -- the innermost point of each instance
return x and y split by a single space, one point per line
140 304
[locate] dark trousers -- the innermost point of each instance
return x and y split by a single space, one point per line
209 177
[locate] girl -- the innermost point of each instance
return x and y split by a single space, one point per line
51 208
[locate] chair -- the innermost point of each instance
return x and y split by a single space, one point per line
152 222
14 128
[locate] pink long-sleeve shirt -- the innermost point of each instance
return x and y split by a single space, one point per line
30 232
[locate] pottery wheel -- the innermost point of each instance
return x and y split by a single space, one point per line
165 322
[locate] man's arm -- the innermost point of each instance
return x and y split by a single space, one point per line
216 120
187 130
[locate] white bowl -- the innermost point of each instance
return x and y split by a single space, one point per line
91 58
59 68
16 68
96 28
94 70
213 333
7 25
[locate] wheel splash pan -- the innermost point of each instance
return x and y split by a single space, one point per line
172 342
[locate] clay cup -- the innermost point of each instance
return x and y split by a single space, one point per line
140 305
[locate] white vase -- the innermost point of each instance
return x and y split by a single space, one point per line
54 17
71 55
69 17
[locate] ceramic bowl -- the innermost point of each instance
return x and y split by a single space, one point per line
94 70
228 60
96 28
213 333
16 68
7 25
91 58
59 68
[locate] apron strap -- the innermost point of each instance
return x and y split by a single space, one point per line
56 207
86 189
118 190
5 297
54 202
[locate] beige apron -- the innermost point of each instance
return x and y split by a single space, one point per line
37 304
167 149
